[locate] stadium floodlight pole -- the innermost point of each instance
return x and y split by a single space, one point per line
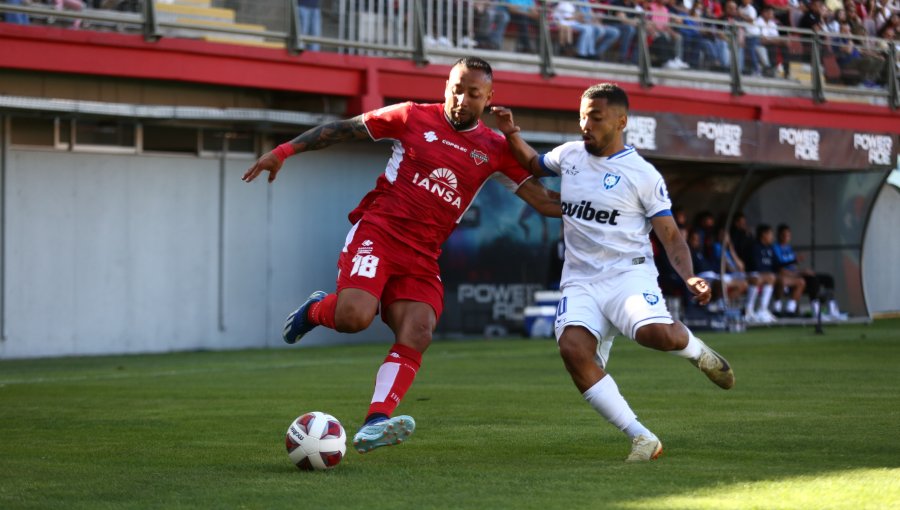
151 22
295 42
420 56
818 88
544 45
735 70
643 52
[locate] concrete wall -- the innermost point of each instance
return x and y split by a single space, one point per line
120 253
881 265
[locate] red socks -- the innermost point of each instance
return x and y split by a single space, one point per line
394 377
322 313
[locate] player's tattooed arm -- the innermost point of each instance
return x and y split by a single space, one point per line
680 256
316 138
331 133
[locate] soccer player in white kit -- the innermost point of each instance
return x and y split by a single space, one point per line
611 198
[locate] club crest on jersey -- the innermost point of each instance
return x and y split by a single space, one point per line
478 156
651 298
610 180
441 183
661 192
430 136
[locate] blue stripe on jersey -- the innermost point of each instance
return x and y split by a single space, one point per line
622 153
545 168
664 212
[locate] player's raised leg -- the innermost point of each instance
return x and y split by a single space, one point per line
677 339
348 311
579 350
412 323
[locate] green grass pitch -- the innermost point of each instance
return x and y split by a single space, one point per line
812 423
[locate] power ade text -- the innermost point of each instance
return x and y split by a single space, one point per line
584 211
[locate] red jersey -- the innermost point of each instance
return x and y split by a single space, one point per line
433 175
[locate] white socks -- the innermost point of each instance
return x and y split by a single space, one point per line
693 348
791 306
605 398
765 296
752 293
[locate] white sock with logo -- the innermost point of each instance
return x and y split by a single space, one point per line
605 398
791 306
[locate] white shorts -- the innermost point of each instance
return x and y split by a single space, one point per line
621 303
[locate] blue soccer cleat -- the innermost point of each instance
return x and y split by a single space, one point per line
297 324
386 432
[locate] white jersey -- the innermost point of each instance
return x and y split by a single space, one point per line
607 204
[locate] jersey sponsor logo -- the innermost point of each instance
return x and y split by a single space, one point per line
610 180
651 298
478 156
442 183
430 136
584 211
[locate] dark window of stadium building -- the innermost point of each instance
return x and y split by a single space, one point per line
170 139
104 133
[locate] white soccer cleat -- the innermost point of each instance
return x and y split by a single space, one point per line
644 448
765 317
714 366
751 318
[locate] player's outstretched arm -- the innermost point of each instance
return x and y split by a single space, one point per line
316 138
680 256
546 201
524 153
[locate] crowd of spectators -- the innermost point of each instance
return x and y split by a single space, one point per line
695 33
68 5
759 273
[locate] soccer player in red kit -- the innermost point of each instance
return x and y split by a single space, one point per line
442 156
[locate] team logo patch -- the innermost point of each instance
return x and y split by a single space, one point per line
610 180
661 192
651 298
478 156
430 136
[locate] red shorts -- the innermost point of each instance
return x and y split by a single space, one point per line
389 269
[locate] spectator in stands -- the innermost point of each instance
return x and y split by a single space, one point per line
817 284
71 5
774 46
752 36
698 48
309 14
605 34
523 15
857 63
722 41
491 20
626 22
565 18
18 18
761 277
667 43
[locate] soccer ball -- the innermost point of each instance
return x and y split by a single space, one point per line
316 441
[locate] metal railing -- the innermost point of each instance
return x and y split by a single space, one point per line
438 29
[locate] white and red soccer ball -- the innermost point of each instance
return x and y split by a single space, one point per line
316 441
